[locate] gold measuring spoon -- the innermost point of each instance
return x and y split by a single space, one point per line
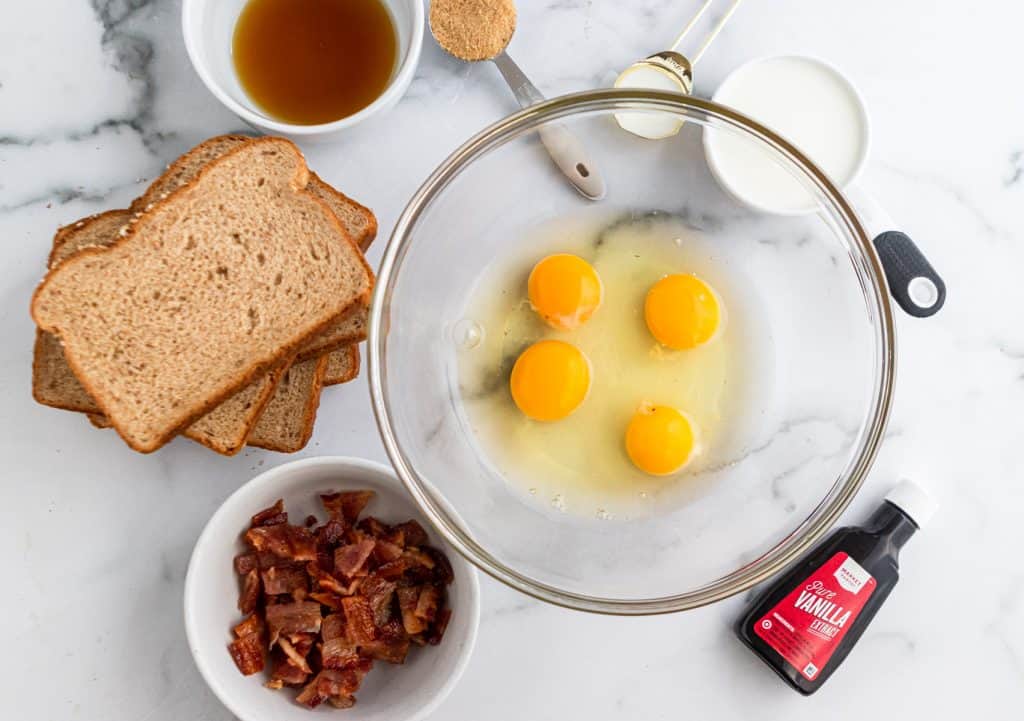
668 70
474 30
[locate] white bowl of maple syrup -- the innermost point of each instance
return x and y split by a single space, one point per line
306 69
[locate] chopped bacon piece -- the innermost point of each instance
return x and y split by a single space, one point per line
331 600
417 576
395 536
310 521
284 579
342 701
354 535
439 627
333 626
285 618
339 653
324 558
393 630
379 593
416 557
373 526
413 532
346 505
390 650
303 543
297 659
386 551
339 683
247 653
359 626
270 516
426 605
289 542
250 594
408 598
245 562
303 642
284 671
251 624
442 566
331 533
310 696
327 582
393 570
349 560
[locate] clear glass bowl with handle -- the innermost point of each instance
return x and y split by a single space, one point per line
808 439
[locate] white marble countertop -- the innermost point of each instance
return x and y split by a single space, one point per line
95 97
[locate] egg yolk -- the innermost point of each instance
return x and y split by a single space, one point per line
550 380
682 311
565 290
659 440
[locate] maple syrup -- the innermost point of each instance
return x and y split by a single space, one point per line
314 61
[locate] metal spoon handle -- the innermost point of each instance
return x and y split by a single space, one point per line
562 145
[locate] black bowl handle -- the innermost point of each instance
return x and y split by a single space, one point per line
913 282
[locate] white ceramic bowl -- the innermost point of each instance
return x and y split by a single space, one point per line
389 693
723 96
208 27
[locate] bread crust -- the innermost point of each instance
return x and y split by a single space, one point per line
154 191
354 364
298 183
37 375
321 345
64 233
308 416
369 233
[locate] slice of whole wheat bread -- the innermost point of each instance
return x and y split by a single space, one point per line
53 383
287 422
342 365
358 221
224 429
210 288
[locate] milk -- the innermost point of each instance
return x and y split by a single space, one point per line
807 102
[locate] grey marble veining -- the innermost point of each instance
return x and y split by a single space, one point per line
95 98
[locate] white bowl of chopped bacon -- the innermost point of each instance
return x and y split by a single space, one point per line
318 586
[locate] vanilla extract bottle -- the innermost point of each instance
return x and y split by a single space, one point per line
806 623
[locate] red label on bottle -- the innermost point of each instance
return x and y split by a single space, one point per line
806 627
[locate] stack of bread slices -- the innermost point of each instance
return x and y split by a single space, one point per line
216 307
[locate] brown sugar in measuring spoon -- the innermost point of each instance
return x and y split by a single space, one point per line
475 30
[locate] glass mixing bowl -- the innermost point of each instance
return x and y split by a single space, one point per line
805 438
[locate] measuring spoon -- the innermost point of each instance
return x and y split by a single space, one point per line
561 144
563 147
